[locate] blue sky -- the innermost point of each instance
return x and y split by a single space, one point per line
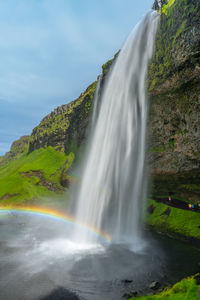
51 50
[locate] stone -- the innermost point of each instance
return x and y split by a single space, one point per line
158 4
151 209
166 212
197 277
155 285
131 294
126 281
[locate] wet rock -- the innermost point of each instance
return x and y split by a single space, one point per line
131 294
174 101
8 196
158 4
155 285
167 212
151 209
127 281
61 294
197 277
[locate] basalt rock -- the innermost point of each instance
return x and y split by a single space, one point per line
155 285
158 4
66 127
174 102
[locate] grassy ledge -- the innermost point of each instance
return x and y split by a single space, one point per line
181 222
186 289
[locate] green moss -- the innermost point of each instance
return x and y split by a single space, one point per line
55 126
186 289
177 17
106 66
159 149
184 185
172 144
167 6
180 30
182 222
190 187
17 185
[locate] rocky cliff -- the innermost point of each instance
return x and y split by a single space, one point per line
174 95
66 127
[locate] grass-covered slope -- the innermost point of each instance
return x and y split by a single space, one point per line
33 175
187 289
168 219
37 166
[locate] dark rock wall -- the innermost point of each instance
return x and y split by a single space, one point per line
174 97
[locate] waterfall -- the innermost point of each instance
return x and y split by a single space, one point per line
113 183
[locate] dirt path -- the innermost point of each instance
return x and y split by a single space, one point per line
177 203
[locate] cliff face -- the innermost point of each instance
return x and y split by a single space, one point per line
174 94
66 127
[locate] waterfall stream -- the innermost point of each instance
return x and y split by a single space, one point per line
113 186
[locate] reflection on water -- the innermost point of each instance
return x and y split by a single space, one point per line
37 259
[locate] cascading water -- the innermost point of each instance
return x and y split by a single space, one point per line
114 182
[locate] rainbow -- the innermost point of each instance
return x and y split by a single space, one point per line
56 214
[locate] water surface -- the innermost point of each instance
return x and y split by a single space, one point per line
38 261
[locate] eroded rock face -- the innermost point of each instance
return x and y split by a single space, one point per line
158 4
66 127
174 130
174 96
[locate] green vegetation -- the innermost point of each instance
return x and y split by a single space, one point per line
33 175
172 143
159 149
176 18
56 127
38 165
184 186
167 6
181 222
107 65
187 289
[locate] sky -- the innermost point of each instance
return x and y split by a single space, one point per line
51 50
